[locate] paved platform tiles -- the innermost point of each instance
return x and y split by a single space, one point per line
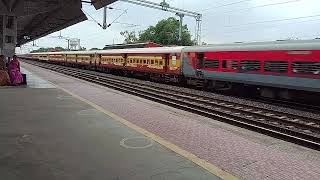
243 153
48 134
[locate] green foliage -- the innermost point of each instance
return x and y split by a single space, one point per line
165 32
130 37
49 49
82 49
56 49
92 49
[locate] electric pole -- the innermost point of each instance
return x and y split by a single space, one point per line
104 25
180 26
164 6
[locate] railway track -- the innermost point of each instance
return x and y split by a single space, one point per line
294 128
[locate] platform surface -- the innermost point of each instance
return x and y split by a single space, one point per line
47 134
242 153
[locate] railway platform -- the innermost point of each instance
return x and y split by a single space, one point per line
74 129
47 133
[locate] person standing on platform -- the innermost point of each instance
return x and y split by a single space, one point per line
4 77
14 71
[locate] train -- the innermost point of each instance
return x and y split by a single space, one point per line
279 69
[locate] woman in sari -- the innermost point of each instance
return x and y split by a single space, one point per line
14 71
4 77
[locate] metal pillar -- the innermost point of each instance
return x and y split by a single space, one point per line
104 25
180 26
198 29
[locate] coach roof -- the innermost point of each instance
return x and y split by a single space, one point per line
258 46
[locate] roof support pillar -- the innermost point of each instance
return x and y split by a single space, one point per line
8 34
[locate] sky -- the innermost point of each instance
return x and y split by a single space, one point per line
224 21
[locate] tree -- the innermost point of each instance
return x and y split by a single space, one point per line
92 49
166 32
82 49
59 48
49 49
130 37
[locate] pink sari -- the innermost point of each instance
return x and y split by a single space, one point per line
14 72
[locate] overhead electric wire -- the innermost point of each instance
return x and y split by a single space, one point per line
254 7
92 17
254 29
128 24
125 11
223 5
270 21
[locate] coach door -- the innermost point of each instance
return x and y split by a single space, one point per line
166 63
199 65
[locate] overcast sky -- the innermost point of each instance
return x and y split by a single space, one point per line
224 21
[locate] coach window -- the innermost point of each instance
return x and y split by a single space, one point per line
230 64
250 65
152 61
224 63
144 61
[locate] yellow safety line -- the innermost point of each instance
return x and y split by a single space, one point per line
201 162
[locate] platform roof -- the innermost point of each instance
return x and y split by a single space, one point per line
101 3
38 18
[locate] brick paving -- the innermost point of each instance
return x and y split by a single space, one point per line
243 153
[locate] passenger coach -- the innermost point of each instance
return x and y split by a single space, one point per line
272 69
